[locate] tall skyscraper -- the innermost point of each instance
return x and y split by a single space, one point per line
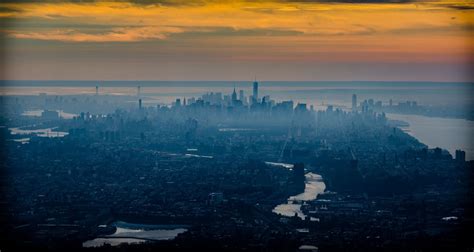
139 103
234 96
241 95
354 102
96 90
255 90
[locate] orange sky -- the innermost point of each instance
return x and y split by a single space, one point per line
234 40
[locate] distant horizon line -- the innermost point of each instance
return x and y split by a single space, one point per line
252 80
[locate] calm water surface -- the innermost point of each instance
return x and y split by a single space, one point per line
446 133
314 186
136 233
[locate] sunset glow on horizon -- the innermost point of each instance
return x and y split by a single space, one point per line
234 40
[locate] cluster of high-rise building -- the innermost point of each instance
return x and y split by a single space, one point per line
234 99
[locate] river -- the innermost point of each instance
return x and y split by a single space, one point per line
136 233
314 185
447 133
39 112
48 132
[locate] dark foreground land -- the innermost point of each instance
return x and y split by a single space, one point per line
385 191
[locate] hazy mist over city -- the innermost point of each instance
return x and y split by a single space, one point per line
275 125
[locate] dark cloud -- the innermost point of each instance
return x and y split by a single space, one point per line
460 7
229 31
201 2
433 29
44 23
146 2
4 9
352 1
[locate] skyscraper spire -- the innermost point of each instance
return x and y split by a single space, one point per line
255 90
234 95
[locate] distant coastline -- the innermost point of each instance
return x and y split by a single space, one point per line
218 83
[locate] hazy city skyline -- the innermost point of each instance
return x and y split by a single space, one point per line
236 125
